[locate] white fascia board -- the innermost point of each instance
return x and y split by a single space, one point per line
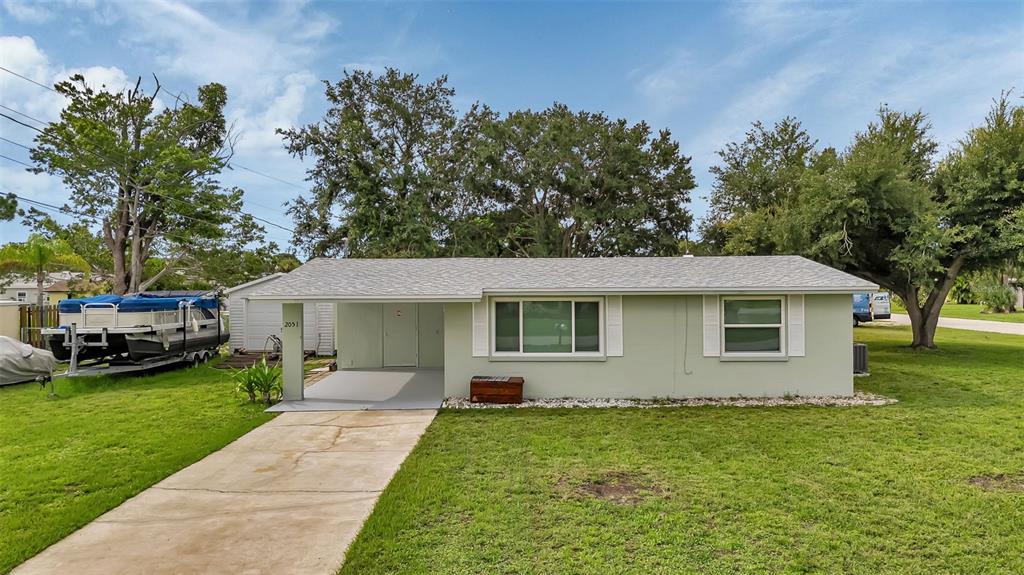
365 298
253 282
685 291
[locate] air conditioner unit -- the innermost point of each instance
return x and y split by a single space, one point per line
860 358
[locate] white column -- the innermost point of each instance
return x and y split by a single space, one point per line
292 347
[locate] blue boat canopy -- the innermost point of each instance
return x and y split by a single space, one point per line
147 302
75 305
137 302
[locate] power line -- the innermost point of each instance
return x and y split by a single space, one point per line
176 97
27 79
8 108
15 143
132 181
16 161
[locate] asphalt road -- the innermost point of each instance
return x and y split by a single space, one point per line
971 324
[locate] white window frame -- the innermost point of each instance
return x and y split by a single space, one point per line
781 326
21 296
600 327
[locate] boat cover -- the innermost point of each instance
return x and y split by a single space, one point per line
148 302
21 362
75 305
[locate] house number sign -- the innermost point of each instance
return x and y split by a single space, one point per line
291 324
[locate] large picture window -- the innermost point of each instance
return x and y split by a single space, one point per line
752 326
547 326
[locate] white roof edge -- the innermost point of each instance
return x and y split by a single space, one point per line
463 298
253 282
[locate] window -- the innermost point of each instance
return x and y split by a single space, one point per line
752 326
22 296
547 326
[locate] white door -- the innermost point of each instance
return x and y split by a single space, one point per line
400 345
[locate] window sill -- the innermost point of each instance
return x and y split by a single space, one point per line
753 358
496 358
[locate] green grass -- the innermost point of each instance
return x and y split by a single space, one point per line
730 490
65 461
968 311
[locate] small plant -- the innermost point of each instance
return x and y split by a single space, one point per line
260 380
996 296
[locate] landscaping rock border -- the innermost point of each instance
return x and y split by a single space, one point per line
858 399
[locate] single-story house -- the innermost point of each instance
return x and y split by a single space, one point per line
26 290
253 322
584 327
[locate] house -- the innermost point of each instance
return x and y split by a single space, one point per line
253 322
23 289
598 327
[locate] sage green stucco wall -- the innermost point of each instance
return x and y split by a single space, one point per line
431 335
663 357
359 333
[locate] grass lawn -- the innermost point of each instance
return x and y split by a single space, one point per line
65 461
969 311
726 490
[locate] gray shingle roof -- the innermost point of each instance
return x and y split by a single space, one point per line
470 278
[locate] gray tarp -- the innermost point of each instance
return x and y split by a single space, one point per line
22 362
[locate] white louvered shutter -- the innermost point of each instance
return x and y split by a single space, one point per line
712 327
481 335
795 326
613 325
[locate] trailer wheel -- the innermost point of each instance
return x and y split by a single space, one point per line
194 362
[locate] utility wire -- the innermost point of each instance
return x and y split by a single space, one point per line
180 101
153 192
15 143
16 161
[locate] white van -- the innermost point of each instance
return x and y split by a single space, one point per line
881 306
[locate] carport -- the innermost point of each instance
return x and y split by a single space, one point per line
358 390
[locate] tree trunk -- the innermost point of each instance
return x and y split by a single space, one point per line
924 318
40 298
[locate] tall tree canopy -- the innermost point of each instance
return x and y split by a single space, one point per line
399 173
886 211
559 183
146 175
755 179
380 152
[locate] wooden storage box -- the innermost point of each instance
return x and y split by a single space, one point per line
495 389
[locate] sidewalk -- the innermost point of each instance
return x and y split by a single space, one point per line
971 324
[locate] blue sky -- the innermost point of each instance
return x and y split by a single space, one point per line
703 70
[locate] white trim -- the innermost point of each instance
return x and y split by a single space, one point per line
600 353
795 329
781 326
591 291
252 283
710 323
480 328
613 326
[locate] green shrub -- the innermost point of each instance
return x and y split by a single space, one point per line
994 294
962 291
260 380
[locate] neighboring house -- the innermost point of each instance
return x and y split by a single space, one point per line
600 327
253 322
25 289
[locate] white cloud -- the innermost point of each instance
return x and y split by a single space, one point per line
23 11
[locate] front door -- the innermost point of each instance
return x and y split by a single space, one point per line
400 345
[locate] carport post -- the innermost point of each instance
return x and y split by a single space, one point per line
292 350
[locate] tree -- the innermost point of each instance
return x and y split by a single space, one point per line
886 213
559 183
147 176
37 258
755 179
8 207
379 154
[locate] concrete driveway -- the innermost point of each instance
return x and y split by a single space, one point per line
970 324
288 497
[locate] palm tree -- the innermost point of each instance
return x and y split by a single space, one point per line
38 257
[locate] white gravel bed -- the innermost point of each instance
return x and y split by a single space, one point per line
858 399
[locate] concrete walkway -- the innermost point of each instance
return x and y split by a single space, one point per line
288 497
971 324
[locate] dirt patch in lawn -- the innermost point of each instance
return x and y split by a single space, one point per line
999 482
618 487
